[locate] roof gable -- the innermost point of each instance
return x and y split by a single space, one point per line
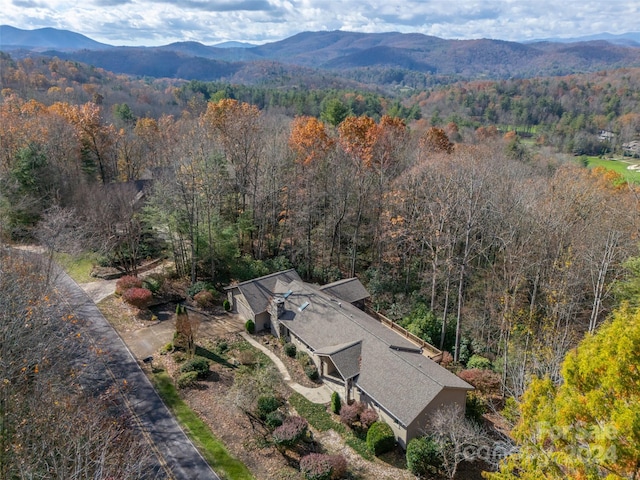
259 291
350 290
346 357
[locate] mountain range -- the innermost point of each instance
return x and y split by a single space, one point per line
341 53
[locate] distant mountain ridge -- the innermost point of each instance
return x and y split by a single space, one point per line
339 52
12 38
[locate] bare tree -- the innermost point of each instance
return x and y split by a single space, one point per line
54 423
454 433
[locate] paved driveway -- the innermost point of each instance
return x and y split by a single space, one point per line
172 447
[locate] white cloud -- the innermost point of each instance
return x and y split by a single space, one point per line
154 22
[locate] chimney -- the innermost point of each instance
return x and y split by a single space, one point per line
276 309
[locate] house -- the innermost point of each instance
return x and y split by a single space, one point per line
356 355
631 149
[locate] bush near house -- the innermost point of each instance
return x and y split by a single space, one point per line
423 456
274 419
368 417
311 371
380 438
125 283
138 297
290 432
199 365
318 466
266 405
226 305
187 379
350 414
480 362
335 403
290 349
249 326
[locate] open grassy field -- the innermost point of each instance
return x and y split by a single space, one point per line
618 166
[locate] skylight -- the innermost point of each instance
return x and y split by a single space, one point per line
303 306
286 295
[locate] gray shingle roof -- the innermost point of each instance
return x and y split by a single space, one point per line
346 357
258 292
402 382
350 290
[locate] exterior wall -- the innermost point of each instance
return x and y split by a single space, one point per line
445 397
262 321
398 430
242 307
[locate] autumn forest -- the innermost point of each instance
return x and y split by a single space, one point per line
466 209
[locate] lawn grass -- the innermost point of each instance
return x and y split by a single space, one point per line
318 417
77 266
211 448
631 176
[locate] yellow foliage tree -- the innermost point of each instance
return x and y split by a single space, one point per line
589 426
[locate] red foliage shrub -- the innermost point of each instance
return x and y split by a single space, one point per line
485 381
138 297
125 283
367 417
316 466
350 414
447 359
291 430
338 466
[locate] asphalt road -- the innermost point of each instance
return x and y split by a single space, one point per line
176 454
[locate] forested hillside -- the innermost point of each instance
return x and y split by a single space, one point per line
463 230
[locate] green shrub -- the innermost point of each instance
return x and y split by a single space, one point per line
480 362
423 456
199 365
311 371
222 346
266 405
290 349
475 407
187 379
197 287
303 358
167 348
380 438
511 410
226 305
335 403
274 419
249 326
152 283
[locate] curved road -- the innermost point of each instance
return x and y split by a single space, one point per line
176 454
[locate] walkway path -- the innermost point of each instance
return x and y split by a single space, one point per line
320 394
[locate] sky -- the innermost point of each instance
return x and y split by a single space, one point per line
159 22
